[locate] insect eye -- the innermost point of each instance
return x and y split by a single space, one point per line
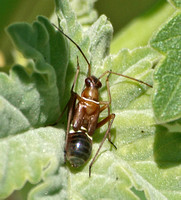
87 82
99 84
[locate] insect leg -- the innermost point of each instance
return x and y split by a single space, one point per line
125 76
107 105
110 119
72 98
108 108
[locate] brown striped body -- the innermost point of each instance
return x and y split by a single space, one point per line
79 148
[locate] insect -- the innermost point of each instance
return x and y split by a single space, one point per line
83 115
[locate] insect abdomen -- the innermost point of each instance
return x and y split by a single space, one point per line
79 148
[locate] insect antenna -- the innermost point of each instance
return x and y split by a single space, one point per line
61 31
125 76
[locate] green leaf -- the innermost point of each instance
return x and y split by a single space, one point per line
85 12
31 156
137 64
134 117
18 11
167 148
41 43
167 77
54 186
30 98
100 35
116 173
135 170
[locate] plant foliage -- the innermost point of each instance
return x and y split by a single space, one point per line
146 129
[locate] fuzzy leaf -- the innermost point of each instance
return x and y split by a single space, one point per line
132 132
100 34
137 166
167 77
119 174
30 156
86 14
29 99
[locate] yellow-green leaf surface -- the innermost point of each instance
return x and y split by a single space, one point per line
166 103
29 99
146 164
31 156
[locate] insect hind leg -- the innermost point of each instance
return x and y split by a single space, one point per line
109 119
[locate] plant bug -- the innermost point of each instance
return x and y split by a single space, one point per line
83 115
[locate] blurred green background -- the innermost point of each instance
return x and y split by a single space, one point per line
119 12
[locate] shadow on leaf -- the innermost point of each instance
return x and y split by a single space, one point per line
167 148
